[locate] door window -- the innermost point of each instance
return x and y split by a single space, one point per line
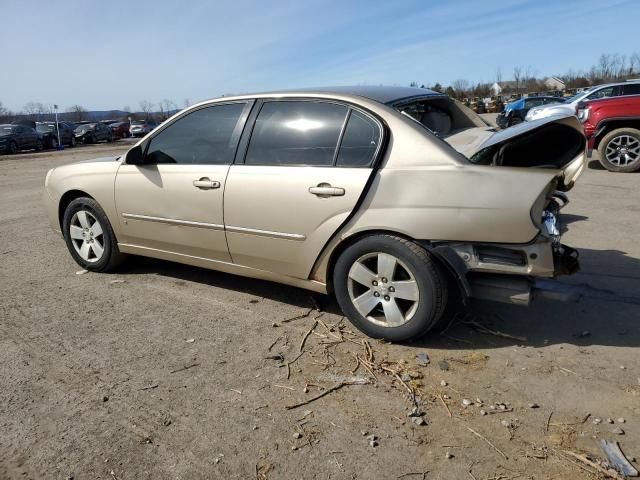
296 133
603 93
207 136
631 89
359 142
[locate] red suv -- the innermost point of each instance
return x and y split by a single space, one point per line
612 126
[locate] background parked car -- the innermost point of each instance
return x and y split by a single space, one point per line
50 133
612 126
515 112
93 132
19 137
120 129
569 107
140 128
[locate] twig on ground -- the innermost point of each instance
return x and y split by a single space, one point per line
445 405
298 317
274 343
355 369
236 391
408 474
486 440
567 370
283 386
566 424
482 329
337 386
150 387
186 367
306 335
289 365
546 429
607 472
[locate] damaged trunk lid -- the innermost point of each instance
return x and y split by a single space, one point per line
553 143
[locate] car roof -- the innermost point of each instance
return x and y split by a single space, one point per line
387 95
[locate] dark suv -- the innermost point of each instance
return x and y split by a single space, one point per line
612 126
93 132
15 137
49 133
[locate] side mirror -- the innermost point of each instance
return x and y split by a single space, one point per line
135 156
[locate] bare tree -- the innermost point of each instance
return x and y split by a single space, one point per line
461 87
186 103
146 107
5 114
35 110
498 75
78 113
634 63
166 106
517 77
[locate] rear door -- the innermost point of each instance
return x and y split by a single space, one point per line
302 173
173 202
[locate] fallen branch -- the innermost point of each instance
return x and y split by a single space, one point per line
298 317
482 329
408 474
306 335
289 365
486 440
186 367
150 387
606 472
337 386
445 405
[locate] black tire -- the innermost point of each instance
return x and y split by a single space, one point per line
430 281
110 139
72 142
53 143
111 256
514 121
13 147
39 146
609 140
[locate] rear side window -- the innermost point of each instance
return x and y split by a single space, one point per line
296 133
205 137
631 89
359 142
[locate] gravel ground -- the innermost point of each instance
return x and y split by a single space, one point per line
162 370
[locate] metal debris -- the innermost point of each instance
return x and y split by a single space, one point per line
617 459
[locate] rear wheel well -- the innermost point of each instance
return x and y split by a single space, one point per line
342 246
610 125
66 199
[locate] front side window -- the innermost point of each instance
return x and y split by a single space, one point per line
359 142
296 133
207 136
603 93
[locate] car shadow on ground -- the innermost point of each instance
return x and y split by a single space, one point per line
601 313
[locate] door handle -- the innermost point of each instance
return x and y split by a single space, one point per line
205 184
326 190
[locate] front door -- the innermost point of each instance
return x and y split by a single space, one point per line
306 166
173 202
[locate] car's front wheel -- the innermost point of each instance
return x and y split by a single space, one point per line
620 150
13 147
389 287
72 142
89 236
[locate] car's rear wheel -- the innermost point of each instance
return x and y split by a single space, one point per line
89 236
13 148
39 146
72 142
620 150
53 143
389 287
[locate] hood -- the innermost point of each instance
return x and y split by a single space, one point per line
555 143
100 160
518 104
544 111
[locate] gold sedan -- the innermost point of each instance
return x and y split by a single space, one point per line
393 199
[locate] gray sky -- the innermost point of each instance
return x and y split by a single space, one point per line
111 54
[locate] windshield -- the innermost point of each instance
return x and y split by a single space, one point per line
578 96
82 128
5 130
45 127
138 122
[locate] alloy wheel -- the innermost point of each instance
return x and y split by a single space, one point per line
87 236
623 150
383 289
